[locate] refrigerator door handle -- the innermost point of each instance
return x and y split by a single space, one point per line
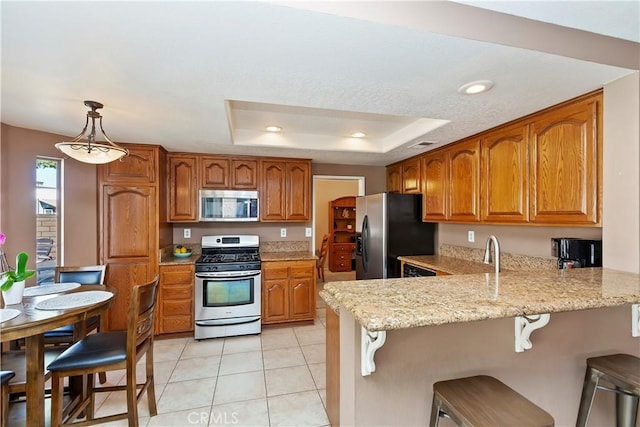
365 243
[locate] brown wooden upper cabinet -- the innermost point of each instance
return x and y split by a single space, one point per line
566 174
286 190
224 173
505 175
137 167
244 174
464 181
394 178
405 177
435 185
451 182
190 172
182 200
411 178
214 172
545 168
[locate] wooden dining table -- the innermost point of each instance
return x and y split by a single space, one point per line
31 324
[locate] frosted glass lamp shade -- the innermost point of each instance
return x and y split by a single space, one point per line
96 154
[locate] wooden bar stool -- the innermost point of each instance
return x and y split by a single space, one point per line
622 371
484 401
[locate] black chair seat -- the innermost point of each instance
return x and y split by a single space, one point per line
5 376
93 351
63 331
67 330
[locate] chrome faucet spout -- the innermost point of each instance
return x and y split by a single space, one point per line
487 252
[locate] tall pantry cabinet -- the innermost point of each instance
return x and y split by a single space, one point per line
132 223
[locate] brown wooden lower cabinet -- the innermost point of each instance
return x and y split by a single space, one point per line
333 367
175 299
288 291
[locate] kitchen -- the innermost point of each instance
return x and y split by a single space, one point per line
20 144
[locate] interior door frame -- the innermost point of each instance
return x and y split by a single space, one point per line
316 178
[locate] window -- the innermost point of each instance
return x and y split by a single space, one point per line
47 219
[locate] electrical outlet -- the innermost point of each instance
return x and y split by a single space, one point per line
307 232
187 233
471 236
283 232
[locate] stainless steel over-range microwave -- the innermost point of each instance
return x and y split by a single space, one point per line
229 205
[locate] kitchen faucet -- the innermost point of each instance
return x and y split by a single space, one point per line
496 249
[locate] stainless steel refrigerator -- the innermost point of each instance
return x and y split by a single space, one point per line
389 225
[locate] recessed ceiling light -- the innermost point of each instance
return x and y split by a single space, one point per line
273 128
358 135
475 87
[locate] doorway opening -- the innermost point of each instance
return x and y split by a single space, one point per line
325 189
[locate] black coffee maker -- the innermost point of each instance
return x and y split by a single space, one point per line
576 253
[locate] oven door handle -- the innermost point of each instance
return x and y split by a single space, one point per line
228 321
229 274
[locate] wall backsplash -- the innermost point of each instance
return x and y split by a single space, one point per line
508 261
266 231
286 246
523 240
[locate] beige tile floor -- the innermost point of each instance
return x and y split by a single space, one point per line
276 378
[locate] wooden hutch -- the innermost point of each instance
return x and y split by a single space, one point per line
342 227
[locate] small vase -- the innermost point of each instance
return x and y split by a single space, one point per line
14 294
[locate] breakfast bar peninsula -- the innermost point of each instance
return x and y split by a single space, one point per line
389 340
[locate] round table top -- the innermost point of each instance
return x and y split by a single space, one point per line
32 321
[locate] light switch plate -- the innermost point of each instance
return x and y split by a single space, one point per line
187 233
471 236
307 232
283 232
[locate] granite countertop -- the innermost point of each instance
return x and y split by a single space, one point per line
287 256
448 265
387 304
169 259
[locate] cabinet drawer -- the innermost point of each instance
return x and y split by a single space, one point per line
173 308
341 265
343 248
176 293
275 273
341 256
177 324
177 277
302 271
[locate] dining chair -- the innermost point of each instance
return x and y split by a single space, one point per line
85 275
44 246
58 339
110 351
322 256
5 376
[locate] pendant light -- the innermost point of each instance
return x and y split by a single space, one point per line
87 150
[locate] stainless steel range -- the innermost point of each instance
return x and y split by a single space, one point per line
228 287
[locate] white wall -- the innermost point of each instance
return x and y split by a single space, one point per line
621 192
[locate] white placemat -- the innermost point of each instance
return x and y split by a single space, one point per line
77 299
8 314
51 288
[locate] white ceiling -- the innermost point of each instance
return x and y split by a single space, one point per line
208 76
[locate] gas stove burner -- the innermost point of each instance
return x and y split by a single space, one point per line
229 253
228 257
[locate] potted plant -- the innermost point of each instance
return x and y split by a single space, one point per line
12 281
